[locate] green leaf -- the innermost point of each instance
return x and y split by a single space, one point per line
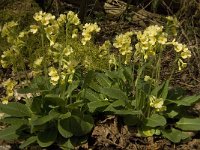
191 124
15 121
131 120
118 103
128 73
52 115
95 86
155 120
91 95
64 128
97 104
10 133
75 125
165 89
114 93
103 80
71 88
88 79
15 109
186 101
174 135
36 105
116 75
29 141
157 89
47 137
53 99
126 112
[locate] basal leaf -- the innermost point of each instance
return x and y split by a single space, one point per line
15 109
64 128
71 88
191 124
91 95
75 125
9 133
97 104
165 89
155 120
186 101
103 80
47 137
29 141
174 135
114 93
42 120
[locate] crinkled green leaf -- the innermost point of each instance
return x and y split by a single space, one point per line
97 104
15 109
114 93
191 124
47 137
174 135
155 120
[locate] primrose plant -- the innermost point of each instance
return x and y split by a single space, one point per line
63 78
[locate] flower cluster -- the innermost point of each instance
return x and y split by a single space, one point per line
5 57
8 31
73 18
184 53
104 49
149 79
44 18
148 40
123 43
157 103
9 85
53 73
88 29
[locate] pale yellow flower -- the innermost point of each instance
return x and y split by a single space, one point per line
88 29
61 19
73 18
54 77
157 103
162 39
33 29
37 62
181 64
38 16
74 33
186 53
9 85
68 50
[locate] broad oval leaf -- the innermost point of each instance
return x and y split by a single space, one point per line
47 137
103 80
75 125
190 124
91 95
97 104
64 127
186 101
15 109
114 93
155 120
42 120
9 133
174 135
